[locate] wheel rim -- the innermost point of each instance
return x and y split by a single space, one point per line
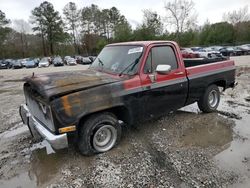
213 98
104 138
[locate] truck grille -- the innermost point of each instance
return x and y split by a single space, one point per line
38 108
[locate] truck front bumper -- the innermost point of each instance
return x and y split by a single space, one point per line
38 130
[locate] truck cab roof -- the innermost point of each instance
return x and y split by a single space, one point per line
142 43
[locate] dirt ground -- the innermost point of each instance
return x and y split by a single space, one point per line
183 149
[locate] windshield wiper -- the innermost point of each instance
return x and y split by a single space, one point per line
100 62
133 64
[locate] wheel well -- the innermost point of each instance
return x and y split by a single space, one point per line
221 83
121 112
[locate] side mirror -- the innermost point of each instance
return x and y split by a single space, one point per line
163 69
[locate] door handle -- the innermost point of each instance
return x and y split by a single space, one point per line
178 73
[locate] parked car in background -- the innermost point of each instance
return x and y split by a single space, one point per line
31 63
216 48
78 59
195 49
36 61
66 58
71 61
57 61
209 53
248 45
238 51
244 49
227 51
24 61
50 60
44 62
16 64
85 61
92 58
188 53
6 64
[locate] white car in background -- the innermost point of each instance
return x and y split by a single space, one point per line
71 61
44 62
209 53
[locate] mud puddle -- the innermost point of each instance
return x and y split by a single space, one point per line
216 132
25 180
44 165
237 156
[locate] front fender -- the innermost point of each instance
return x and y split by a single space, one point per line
69 109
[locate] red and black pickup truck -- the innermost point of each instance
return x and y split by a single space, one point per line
127 82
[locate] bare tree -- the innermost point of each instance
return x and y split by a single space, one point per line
23 28
181 15
72 20
237 16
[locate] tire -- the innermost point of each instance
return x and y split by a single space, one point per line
94 129
210 99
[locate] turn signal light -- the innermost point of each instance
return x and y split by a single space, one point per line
67 129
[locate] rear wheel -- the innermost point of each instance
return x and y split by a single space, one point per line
210 99
99 133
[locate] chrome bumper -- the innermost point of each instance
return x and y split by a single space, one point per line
38 130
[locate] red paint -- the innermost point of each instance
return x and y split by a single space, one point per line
142 79
132 83
209 67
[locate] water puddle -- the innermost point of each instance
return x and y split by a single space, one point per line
206 130
237 157
24 180
44 165
214 132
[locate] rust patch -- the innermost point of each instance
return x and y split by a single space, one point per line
66 105
76 98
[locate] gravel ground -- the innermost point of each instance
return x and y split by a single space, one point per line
183 149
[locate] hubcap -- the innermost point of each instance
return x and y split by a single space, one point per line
213 98
105 138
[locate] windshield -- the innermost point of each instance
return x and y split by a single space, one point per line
30 62
43 60
116 59
58 59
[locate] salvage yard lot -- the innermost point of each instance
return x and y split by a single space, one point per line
183 149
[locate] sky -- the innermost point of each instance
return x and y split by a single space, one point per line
211 10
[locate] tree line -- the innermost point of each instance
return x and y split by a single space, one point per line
87 30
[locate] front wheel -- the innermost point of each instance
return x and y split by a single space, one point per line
99 133
210 99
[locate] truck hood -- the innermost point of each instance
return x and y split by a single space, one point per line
58 84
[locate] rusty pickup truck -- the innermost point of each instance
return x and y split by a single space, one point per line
126 84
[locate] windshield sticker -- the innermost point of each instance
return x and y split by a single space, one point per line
135 50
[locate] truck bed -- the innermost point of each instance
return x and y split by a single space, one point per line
202 61
221 73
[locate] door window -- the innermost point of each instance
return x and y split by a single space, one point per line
160 55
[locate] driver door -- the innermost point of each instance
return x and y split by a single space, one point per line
163 92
